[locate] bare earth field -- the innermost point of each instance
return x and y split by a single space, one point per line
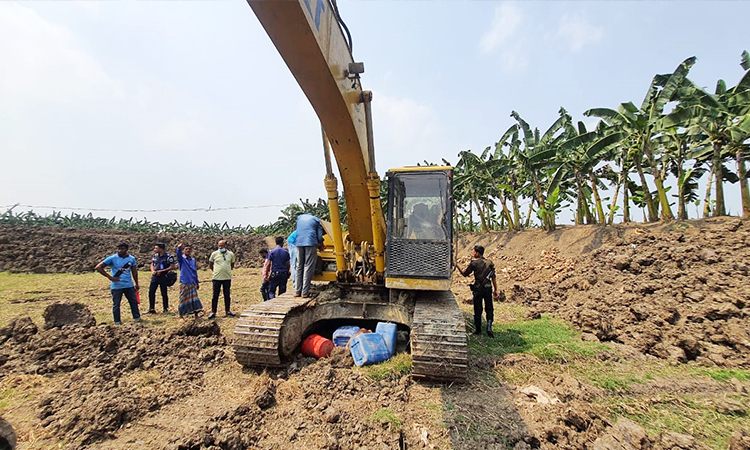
625 337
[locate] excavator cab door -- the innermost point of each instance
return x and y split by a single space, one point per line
420 228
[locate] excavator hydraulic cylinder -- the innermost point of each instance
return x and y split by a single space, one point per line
338 239
378 224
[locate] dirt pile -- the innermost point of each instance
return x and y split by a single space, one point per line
59 315
317 404
627 435
58 250
116 374
321 406
681 294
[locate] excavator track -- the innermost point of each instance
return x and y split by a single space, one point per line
438 338
257 335
266 333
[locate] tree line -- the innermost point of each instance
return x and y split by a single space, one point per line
679 134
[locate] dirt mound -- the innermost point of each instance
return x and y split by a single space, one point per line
116 374
18 331
627 435
199 328
58 315
57 250
318 407
680 294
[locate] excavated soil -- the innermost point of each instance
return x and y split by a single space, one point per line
676 292
114 374
70 250
679 292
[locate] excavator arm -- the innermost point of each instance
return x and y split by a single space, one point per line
308 37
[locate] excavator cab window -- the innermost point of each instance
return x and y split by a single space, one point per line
418 244
419 207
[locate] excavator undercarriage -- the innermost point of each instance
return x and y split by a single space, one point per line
267 334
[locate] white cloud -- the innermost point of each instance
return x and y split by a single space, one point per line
505 23
578 32
48 64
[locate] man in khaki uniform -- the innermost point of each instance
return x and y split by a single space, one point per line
484 288
221 262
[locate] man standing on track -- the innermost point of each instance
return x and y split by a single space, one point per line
279 259
221 262
309 238
161 264
482 289
124 273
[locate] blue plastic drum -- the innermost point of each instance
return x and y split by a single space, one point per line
388 331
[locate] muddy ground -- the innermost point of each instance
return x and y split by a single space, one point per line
70 250
668 294
679 292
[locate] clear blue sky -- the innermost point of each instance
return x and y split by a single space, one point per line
186 104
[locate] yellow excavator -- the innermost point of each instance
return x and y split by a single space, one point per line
398 272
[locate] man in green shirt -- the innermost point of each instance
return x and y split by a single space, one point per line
221 262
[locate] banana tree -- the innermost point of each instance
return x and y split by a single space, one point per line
724 117
472 185
641 124
579 155
537 155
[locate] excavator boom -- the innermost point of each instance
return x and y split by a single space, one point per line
309 39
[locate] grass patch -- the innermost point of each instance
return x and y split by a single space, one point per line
28 294
386 416
615 382
682 415
5 397
724 374
393 369
546 338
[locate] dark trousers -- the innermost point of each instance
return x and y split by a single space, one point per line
277 280
161 283
264 290
483 293
117 298
218 285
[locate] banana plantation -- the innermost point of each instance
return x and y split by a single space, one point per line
653 158
649 158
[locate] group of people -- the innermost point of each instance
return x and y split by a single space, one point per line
297 263
123 279
279 265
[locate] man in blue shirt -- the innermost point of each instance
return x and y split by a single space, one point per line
189 284
309 238
279 258
124 274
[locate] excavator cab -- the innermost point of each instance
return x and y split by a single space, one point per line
420 228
